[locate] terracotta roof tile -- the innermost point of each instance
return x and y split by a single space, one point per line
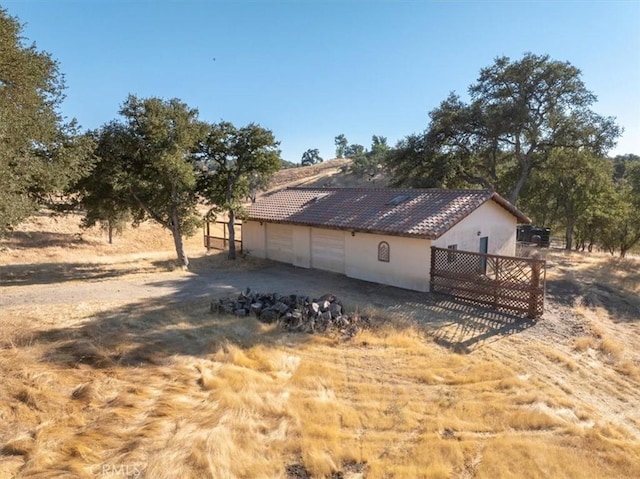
406 212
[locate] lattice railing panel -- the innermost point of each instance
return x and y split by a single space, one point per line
501 282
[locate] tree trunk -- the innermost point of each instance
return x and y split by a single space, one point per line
176 231
524 176
568 236
232 234
110 231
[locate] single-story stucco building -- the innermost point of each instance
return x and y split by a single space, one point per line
382 235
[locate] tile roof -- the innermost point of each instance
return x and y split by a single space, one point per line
426 213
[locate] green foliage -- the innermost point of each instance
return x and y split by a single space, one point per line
341 145
161 161
164 136
104 193
146 168
232 161
369 164
572 192
622 162
354 150
520 113
623 231
444 156
40 155
582 194
311 157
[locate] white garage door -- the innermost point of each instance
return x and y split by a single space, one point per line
280 242
327 250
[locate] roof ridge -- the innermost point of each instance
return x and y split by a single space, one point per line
361 188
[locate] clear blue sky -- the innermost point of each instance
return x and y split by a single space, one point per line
310 70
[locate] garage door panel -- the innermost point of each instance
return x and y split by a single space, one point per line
327 250
280 243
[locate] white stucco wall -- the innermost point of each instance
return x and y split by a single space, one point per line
490 220
408 266
409 258
254 237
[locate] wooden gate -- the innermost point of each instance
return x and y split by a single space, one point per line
501 282
216 235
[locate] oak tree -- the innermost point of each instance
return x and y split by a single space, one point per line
40 153
104 193
159 140
519 113
341 144
624 230
370 163
232 159
311 157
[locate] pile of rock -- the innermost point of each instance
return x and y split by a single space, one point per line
293 312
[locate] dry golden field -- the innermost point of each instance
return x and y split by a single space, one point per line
105 374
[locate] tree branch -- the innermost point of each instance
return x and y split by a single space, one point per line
477 180
155 216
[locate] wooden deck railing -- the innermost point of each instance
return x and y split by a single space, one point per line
500 282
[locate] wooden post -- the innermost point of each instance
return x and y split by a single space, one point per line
433 267
206 236
496 285
535 288
224 235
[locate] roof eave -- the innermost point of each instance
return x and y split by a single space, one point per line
429 236
522 218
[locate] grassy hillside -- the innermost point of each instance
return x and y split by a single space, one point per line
327 174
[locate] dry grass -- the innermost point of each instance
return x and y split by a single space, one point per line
557 356
583 343
163 391
294 176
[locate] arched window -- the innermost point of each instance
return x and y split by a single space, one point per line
383 251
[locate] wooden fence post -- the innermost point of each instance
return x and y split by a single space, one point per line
535 290
432 268
496 284
224 234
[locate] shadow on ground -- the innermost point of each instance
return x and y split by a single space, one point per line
41 239
615 288
470 326
611 285
460 325
55 273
